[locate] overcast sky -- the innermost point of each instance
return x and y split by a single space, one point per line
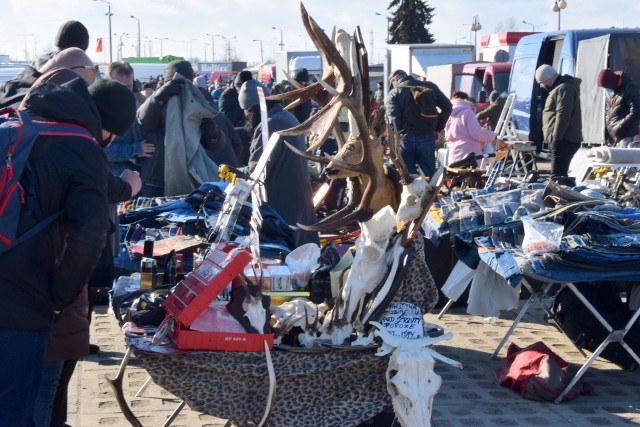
30 25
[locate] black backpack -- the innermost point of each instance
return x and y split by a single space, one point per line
586 332
424 113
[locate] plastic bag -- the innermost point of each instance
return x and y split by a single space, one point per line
302 261
540 237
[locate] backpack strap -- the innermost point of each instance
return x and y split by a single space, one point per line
41 226
50 128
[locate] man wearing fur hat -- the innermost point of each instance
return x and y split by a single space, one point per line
287 183
561 117
622 106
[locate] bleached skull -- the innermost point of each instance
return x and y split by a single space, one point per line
412 384
411 202
411 381
369 265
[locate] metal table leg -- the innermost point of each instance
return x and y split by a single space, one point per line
523 311
614 336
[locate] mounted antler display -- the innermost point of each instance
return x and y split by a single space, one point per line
361 157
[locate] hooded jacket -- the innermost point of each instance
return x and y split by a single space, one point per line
399 101
561 116
622 110
463 132
47 272
13 91
288 183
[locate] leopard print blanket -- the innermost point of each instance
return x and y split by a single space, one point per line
331 388
418 286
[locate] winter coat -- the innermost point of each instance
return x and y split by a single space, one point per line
492 113
186 164
71 331
561 117
13 91
400 100
228 143
463 132
622 110
47 272
287 183
229 105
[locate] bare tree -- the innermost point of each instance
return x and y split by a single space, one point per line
510 24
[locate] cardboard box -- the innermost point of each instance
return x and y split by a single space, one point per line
280 278
191 296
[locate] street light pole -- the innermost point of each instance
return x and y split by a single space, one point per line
138 34
213 46
261 55
558 5
475 27
161 38
109 14
281 42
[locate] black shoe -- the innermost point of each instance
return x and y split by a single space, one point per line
94 349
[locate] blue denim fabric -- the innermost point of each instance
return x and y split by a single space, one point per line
46 393
500 260
419 150
21 362
556 270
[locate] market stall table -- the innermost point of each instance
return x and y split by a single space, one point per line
342 385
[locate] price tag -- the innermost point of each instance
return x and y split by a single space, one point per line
404 320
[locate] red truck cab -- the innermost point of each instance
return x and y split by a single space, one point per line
479 79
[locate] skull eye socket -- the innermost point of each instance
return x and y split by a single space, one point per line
412 200
351 147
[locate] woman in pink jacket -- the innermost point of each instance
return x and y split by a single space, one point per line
463 132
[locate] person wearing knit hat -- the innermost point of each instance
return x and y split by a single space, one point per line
248 95
561 118
70 34
117 106
302 111
179 66
288 183
622 106
546 75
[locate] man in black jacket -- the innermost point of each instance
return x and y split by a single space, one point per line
622 106
417 143
46 273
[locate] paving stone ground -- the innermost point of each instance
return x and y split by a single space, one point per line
469 397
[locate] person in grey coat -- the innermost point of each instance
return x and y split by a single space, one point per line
287 183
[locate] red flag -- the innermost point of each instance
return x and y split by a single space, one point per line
99 45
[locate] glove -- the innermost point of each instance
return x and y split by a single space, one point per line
173 88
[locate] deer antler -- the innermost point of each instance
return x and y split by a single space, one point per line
395 156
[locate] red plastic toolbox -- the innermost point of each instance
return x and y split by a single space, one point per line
191 296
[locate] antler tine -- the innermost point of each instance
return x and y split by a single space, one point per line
363 65
318 126
396 156
306 155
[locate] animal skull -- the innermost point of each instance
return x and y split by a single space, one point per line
411 381
411 202
412 384
369 264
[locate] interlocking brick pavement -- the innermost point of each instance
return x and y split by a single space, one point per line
468 397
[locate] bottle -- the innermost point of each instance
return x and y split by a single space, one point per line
147 265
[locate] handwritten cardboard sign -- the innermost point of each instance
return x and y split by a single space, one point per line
404 320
